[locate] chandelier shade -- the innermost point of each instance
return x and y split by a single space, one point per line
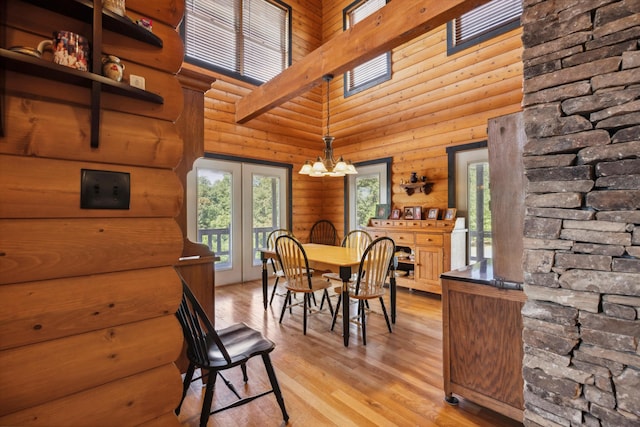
325 165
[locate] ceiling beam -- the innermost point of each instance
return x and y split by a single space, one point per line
394 24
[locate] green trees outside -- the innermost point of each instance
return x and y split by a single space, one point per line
367 197
215 208
479 211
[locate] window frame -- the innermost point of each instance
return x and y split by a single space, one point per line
487 34
348 90
349 212
231 73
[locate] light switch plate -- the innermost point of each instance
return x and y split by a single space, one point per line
104 189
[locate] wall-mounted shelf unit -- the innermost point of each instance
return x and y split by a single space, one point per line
88 11
423 187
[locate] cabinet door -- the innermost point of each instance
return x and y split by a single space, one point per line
429 261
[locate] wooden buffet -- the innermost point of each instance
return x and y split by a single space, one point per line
438 246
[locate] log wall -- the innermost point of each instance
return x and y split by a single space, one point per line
432 101
87 327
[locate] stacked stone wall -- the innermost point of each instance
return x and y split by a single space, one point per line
582 227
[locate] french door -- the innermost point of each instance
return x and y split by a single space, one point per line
232 207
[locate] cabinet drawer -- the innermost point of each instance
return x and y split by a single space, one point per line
376 233
429 239
402 239
416 223
376 222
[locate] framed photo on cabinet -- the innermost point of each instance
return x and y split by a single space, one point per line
450 213
417 212
382 211
408 212
433 213
395 214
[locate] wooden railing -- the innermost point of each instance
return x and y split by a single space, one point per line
218 240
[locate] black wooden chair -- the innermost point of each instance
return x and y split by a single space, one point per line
323 232
215 351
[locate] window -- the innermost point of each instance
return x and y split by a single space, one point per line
468 166
246 39
483 23
365 190
374 71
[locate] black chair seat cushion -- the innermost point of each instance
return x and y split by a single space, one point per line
241 342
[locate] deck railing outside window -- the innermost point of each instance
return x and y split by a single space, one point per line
217 239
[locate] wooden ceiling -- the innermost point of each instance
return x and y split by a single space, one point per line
396 23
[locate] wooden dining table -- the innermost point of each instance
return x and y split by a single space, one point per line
327 257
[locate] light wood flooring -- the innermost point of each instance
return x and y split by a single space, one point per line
395 380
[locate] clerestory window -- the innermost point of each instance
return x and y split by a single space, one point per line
374 71
246 39
483 23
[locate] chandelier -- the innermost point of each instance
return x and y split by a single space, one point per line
326 165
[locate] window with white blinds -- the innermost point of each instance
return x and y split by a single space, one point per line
247 39
483 23
374 71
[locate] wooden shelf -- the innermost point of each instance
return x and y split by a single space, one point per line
423 187
85 11
41 68
82 10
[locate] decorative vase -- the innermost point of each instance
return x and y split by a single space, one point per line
414 178
112 67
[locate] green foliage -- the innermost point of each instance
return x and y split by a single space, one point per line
214 202
367 197
266 195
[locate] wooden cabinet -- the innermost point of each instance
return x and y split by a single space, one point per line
437 246
482 340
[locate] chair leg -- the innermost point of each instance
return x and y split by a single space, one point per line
274 385
363 321
273 292
335 312
326 295
208 397
386 316
185 385
245 377
284 305
306 302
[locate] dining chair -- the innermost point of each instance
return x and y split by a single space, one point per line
215 351
298 278
275 264
358 239
323 232
375 267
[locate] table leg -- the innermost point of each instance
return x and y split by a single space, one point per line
264 281
392 293
345 275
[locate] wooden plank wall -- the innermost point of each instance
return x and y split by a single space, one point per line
88 334
433 101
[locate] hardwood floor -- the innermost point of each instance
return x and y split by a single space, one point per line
395 380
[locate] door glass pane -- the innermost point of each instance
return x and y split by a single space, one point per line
266 211
367 197
479 211
214 213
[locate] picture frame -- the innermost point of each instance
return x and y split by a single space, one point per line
408 212
450 214
417 212
382 211
395 214
433 213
